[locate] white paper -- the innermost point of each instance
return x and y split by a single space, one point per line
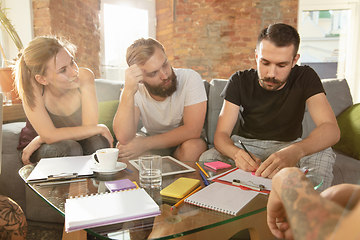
54 166
108 208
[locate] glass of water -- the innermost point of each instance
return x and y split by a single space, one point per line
7 98
150 171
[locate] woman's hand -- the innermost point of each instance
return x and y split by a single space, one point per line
30 149
106 133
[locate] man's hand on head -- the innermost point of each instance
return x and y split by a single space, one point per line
133 76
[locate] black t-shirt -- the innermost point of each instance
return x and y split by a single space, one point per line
272 115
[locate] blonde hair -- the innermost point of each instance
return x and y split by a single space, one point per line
33 61
142 50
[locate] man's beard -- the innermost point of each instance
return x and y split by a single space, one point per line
278 83
161 90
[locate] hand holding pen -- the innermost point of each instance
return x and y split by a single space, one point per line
245 163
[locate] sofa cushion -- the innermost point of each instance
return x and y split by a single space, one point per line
349 124
214 106
346 169
107 112
215 103
339 96
108 90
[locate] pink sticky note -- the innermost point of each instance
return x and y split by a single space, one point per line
217 165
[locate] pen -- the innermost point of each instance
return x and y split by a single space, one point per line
130 171
206 182
246 149
182 200
59 182
207 175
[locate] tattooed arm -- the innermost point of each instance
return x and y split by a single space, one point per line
296 211
13 223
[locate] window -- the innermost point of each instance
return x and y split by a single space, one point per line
329 32
122 22
20 14
323 41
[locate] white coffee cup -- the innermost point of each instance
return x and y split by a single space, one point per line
107 158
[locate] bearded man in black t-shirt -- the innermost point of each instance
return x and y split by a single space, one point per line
271 102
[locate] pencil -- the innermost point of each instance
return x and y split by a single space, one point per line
207 175
182 200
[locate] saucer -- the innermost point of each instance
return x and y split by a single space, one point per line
119 166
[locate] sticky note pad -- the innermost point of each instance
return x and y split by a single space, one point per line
217 165
120 185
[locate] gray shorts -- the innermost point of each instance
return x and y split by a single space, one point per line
320 163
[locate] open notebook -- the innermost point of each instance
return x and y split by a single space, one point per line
108 208
222 198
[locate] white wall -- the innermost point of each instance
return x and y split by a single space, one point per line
352 72
23 25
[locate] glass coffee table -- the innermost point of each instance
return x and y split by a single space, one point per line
186 222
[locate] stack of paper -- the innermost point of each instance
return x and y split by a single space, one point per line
108 208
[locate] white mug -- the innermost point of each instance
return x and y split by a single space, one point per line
107 158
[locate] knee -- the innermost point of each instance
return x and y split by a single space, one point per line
91 144
194 145
207 155
192 149
62 149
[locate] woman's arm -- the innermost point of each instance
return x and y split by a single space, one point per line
43 125
90 111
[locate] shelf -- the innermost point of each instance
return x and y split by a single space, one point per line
13 112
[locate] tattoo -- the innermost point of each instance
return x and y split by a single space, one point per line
12 220
312 216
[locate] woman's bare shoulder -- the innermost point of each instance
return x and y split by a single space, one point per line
86 75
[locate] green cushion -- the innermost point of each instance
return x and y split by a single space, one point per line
349 124
107 112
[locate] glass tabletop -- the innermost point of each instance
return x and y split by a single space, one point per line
186 219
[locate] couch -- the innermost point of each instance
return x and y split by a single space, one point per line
346 169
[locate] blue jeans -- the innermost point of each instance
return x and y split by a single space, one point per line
70 148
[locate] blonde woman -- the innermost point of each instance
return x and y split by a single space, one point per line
60 103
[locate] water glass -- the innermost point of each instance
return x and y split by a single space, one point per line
150 171
7 98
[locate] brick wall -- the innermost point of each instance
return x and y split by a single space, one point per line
76 20
214 37
217 37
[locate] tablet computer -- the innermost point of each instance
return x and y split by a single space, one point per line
170 166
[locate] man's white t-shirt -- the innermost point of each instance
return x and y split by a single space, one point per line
162 116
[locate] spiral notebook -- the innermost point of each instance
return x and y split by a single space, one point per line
108 208
222 198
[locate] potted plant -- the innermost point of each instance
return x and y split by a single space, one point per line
6 78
